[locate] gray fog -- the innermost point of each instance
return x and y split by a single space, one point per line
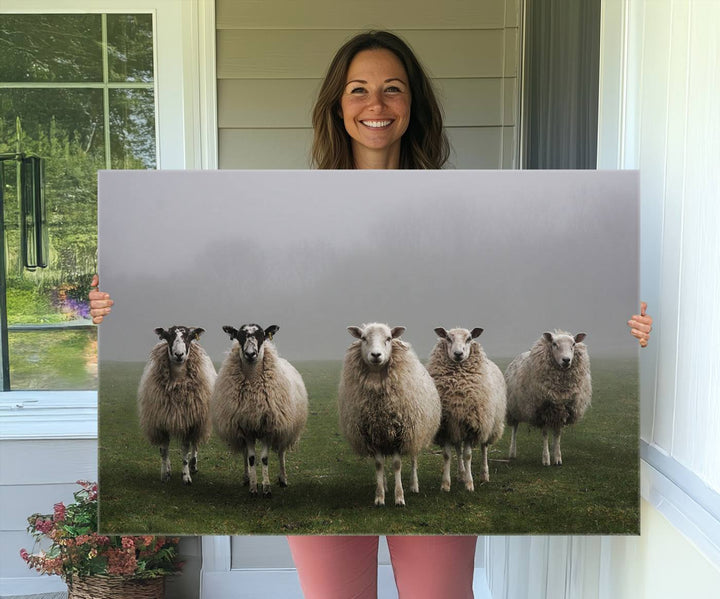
514 252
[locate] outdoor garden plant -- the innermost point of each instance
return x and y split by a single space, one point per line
76 551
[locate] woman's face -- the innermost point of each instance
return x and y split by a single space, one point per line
375 103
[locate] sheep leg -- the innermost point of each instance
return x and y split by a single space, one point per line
486 469
165 461
194 459
461 465
467 456
397 468
252 473
264 453
546 451
282 478
513 446
186 453
447 456
379 479
246 475
414 485
557 456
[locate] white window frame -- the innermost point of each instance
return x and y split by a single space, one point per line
186 129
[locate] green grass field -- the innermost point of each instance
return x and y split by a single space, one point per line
331 490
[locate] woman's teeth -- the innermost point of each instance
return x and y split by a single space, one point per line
376 124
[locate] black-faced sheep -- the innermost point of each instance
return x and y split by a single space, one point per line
472 394
550 387
174 396
258 396
388 403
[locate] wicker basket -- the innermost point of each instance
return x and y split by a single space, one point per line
116 587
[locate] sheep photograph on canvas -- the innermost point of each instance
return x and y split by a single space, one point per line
324 307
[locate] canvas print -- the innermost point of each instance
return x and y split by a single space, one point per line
369 352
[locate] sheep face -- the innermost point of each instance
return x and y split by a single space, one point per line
376 342
458 342
251 338
178 339
562 348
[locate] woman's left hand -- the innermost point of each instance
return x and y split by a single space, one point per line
641 325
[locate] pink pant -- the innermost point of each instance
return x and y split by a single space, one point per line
340 567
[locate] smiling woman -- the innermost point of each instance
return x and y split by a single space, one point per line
375 108
363 116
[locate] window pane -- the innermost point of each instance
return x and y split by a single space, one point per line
37 48
65 127
50 118
130 47
132 128
54 359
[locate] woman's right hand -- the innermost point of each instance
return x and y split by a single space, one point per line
100 302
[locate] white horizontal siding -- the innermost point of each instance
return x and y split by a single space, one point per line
399 14
253 54
271 58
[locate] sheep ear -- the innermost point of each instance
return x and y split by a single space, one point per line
579 337
232 331
440 332
355 332
195 333
160 332
476 332
271 330
548 336
397 331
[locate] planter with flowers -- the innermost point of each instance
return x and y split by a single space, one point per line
98 566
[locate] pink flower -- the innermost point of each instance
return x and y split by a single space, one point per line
128 543
43 526
121 562
59 512
24 554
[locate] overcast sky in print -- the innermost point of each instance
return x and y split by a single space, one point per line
514 252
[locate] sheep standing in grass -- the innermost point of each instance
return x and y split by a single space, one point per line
174 396
472 394
549 387
388 403
258 396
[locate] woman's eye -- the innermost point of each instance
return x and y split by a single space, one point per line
357 90
393 89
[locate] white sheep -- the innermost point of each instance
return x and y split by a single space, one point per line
258 396
550 387
472 394
174 396
388 403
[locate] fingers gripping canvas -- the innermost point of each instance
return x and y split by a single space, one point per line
391 352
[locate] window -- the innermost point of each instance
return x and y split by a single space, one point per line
77 90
